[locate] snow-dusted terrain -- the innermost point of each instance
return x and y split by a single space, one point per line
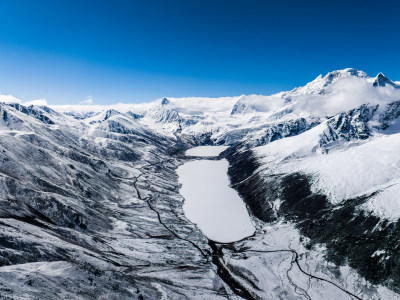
91 204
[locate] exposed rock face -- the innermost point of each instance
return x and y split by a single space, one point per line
350 125
382 80
31 111
389 115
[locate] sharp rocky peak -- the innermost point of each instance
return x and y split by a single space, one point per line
109 113
382 80
165 101
163 113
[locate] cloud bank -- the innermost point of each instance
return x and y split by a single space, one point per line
345 95
9 99
12 99
342 95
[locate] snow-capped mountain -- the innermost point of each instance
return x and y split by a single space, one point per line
241 107
320 84
91 208
382 80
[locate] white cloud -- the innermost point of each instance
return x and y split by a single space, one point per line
195 105
263 103
39 102
88 100
9 99
343 95
12 99
121 107
346 94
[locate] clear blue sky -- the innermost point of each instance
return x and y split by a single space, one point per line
134 51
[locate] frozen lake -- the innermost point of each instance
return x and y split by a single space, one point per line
210 203
205 151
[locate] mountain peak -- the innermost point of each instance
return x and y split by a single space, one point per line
162 113
109 113
333 76
241 107
319 84
165 101
382 80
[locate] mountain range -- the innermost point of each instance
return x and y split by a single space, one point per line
90 205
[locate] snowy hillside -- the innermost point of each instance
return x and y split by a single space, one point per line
91 204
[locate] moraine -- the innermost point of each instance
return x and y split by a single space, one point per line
210 202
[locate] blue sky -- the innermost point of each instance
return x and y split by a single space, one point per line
135 51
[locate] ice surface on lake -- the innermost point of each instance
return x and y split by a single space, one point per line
205 151
211 204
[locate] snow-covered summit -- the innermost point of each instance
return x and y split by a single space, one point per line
241 107
320 84
105 115
162 113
